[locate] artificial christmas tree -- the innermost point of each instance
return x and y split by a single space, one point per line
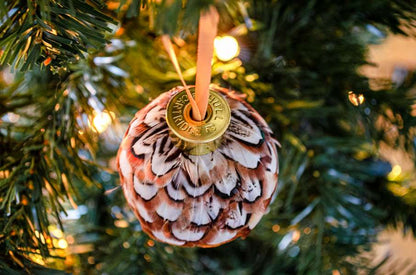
74 73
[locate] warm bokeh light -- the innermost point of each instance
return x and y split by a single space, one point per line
4 174
355 99
226 47
56 232
62 244
150 243
101 121
275 228
121 223
147 257
36 258
251 77
307 230
395 173
295 236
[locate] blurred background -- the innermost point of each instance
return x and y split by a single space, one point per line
393 59
335 82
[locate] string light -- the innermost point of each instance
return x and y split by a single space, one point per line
226 47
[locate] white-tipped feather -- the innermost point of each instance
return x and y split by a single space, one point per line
152 117
160 163
160 236
199 167
213 208
200 214
146 191
124 164
144 213
175 194
168 212
222 236
228 182
244 129
273 165
251 189
140 148
195 191
236 151
236 217
187 234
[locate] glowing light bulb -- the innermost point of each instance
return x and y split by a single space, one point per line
226 47
101 121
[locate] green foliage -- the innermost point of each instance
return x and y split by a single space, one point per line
49 149
299 62
50 32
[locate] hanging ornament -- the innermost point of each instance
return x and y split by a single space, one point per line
198 176
198 183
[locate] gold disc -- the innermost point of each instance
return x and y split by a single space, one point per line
197 137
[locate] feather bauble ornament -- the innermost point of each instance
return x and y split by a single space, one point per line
198 194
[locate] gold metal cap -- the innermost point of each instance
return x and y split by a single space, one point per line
197 137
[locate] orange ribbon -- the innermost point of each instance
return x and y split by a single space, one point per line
207 32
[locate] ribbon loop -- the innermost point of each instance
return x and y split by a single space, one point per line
207 32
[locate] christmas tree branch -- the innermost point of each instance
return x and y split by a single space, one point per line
51 33
51 143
